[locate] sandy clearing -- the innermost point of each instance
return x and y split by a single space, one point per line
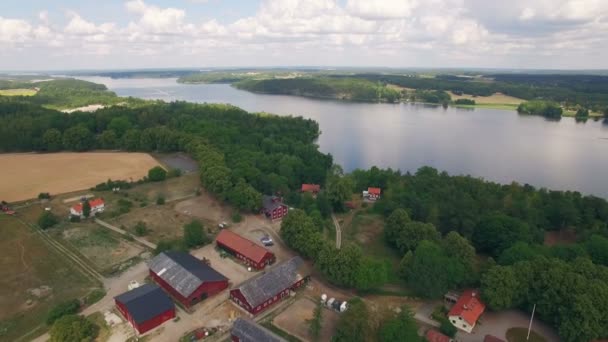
24 176
87 109
496 98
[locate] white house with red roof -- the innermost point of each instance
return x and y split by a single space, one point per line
97 206
467 310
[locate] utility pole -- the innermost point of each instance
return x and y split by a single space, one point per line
531 319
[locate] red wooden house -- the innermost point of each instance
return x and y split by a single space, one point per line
145 307
273 207
311 188
245 330
373 194
245 250
261 292
186 278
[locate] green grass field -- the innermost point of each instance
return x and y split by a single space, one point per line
33 278
519 335
17 92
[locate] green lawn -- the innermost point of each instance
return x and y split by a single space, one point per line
519 335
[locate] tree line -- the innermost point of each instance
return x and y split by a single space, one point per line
240 155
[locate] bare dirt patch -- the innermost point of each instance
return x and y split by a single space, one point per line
24 176
101 246
205 207
560 237
293 320
162 221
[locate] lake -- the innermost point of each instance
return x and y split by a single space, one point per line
497 145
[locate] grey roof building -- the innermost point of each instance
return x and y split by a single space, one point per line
259 289
246 330
183 274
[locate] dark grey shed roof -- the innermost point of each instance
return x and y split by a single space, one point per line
248 331
270 203
183 272
259 289
145 302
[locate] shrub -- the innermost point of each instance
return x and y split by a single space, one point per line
141 229
73 328
69 307
174 173
47 220
94 296
74 218
447 328
170 245
465 102
194 234
44 195
236 217
157 174
160 200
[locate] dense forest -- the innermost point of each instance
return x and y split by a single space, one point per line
324 87
241 155
66 93
458 231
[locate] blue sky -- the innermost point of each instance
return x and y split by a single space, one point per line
87 34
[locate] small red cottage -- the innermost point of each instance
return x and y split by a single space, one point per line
273 207
467 310
145 307
261 292
311 188
245 330
246 250
372 194
97 206
186 278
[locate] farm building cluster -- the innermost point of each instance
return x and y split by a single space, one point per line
181 278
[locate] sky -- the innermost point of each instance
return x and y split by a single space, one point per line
126 34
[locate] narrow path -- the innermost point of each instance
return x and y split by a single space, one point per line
338 231
122 232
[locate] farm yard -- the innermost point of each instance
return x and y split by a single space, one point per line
293 318
33 278
24 176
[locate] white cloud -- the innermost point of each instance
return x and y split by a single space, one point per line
14 30
279 32
388 9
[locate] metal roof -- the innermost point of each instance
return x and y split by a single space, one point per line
249 331
183 272
145 302
270 203
242 245
259 289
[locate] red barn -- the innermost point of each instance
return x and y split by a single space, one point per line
373 193
312 188
186 278
246 250
245 330
435 336
261 292
145 307
274 208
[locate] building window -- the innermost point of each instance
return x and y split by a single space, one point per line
464 326
454 321
460 318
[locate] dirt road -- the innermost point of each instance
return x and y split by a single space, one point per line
338 231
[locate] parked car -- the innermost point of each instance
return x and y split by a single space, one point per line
267 241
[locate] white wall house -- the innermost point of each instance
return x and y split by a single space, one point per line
467 310
97 206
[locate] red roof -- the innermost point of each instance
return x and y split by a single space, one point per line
242 245
311 187
374 191
436 336
468 306
93 203
490 338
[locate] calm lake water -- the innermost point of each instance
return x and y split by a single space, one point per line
497 145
